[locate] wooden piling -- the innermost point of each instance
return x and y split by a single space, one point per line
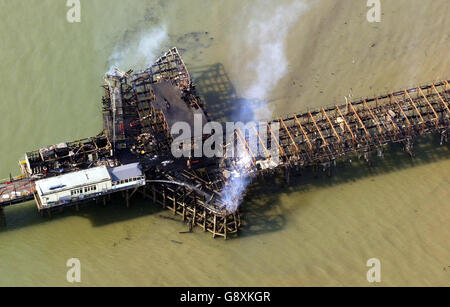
225 228
174 205
215 226
204 220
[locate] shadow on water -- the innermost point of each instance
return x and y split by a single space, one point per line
219 95
261 209
115 211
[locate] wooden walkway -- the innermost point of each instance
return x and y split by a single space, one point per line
361 126
16 191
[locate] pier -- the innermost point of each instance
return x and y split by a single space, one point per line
132 154
364 126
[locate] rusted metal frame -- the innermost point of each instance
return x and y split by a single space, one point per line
304 132
95 144
276 141
82 148
244 142
375 118
445 94
396 129
196 103
403 112
346 123
290 136
301 151
320 133
417 110
440 98
331 124
428 102
360 121
261 142
191 174
209 180
376 121
317 128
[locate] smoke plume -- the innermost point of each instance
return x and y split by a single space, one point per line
266 37
140 52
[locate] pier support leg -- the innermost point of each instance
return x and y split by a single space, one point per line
215 226
104 201
127 199
174 204
444 137
2 218
164 197
204 220
225 228
409 147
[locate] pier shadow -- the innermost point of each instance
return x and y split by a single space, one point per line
219 95
262 207
115 211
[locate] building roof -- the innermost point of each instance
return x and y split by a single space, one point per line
125 172
72 180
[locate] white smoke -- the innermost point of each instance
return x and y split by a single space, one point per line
266 38
140 52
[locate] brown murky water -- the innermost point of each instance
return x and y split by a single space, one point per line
320 231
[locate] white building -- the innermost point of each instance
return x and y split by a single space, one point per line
126 176
87 184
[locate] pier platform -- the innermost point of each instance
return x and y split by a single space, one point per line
15 191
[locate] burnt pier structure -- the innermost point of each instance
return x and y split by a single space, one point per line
132 155
363 126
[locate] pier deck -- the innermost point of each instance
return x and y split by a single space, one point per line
139 110
365 125
16 191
